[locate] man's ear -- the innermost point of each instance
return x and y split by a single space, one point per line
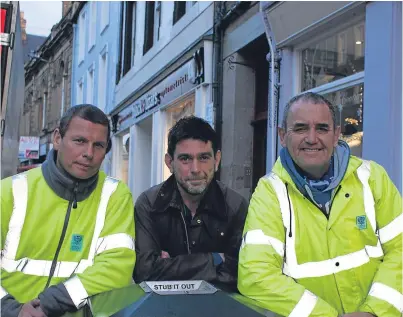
217 160
57 139
282 133
168 162
337 133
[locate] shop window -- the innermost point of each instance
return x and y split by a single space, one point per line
333 58
123 164
179 111
184 108
350 105
334 67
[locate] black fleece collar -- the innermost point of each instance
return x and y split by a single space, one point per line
63 184
213 201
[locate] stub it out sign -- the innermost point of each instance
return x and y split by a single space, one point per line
178 287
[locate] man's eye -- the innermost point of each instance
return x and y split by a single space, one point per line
204 157
99 146
185 159
79 141
323 129
300 129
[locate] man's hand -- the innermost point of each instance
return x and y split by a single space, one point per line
358 315
222 256
32 309
164 255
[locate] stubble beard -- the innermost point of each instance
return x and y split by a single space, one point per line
194 191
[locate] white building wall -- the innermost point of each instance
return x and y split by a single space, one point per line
174 39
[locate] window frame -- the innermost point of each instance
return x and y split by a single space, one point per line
80 91
177 15
103 79
81 37
149 26
336 85
104 21
92 24
90 84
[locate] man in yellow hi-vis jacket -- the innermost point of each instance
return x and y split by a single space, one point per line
67 230
323 235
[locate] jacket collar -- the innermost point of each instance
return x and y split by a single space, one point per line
63 184
280 171
213 201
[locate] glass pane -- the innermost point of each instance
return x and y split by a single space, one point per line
123 167
333 58
350 103
182 109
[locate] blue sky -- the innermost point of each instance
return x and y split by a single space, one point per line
41 15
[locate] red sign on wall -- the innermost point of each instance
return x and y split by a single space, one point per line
3 20
3 23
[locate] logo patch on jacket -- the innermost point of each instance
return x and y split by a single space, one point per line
76 243
361 222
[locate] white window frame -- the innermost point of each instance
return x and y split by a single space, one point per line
81 38
90 84
134 28
103 79
336 85
80 91
92 24
105 9
157 21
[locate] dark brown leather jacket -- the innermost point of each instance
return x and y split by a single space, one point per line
216 228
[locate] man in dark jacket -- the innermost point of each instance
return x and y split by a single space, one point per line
190 226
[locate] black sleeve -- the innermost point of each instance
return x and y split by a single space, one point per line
10 307
56 301
149 264
228 270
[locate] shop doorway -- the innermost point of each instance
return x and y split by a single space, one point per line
180 109
142 152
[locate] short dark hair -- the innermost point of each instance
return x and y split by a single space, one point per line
314 98
191 127
87 112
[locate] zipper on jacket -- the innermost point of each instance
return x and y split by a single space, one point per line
326 215
73 204
186 232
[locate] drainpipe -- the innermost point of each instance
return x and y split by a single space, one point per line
217 73
273 58
221 21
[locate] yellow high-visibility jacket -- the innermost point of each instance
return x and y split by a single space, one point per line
296 262
97 253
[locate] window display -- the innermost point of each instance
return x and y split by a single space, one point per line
333 58
350 115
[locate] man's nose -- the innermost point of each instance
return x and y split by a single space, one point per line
312 136
195 167
89 153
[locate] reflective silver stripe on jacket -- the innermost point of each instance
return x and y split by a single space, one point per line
77 292
20 198
63 268
334 265
331 266
3 292
388 294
